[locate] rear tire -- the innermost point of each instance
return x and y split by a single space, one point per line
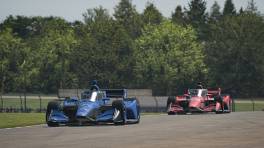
229 107
53 105
219 99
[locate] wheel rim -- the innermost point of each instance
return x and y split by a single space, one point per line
116 114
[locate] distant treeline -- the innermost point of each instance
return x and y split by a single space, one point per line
136 50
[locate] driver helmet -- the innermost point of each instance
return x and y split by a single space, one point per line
199 85
94 86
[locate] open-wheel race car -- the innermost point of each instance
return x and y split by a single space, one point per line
94 106
199 100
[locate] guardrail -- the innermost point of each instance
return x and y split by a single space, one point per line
38 103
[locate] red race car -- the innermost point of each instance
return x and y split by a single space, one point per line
199 100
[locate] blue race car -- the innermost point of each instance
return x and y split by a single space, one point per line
95 106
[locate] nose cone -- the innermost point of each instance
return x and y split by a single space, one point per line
195 103
86 110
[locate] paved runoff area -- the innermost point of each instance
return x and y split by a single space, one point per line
238 129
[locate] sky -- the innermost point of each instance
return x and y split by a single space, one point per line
72 10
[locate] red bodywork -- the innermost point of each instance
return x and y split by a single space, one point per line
200 100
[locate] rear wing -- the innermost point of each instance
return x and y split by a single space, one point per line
115 93
214 92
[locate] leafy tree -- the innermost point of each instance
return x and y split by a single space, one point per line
151 14
235 54
16 74
229 8
94 49
126 15
19 24
47 53
168 57
104 51
197 17
28 27
241 10
215 13
27 73
252 7
54 50
96 15
11 48
178 16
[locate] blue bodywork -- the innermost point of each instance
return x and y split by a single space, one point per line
97 106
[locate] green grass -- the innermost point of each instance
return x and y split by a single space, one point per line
31 103
21 119
247 106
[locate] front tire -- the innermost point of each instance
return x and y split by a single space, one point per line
171 113
170 100
53 105
119 114
138 111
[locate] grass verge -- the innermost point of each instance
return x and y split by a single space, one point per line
31 103
152 113
21 119
248 106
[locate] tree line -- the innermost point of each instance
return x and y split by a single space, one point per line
136 50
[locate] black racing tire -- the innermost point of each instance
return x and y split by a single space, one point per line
171 113
219 112
230 108
230 105
171 99
53 105
138 110
226 108
219 99
138 119
52 124
119 105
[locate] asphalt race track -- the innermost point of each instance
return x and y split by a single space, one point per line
239 129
